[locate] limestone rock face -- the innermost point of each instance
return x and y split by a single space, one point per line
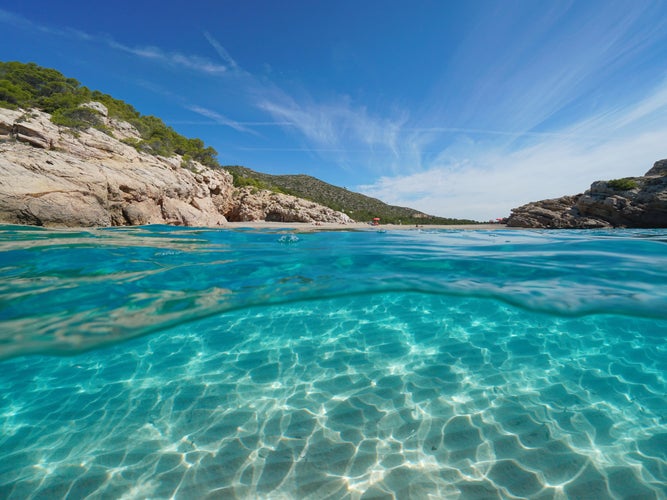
557 213
602 205
251 205
659 169
51 176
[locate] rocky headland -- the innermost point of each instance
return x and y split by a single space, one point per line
57 176
639 202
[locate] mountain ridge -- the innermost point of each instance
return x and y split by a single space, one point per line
356 205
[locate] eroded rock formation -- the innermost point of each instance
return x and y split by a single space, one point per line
54 176
605 204
251 204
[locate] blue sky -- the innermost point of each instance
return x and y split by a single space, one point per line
459 109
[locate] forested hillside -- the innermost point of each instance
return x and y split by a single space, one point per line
358 206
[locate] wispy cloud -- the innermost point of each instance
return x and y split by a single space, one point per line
486 182
172 58
479 131
315 124
157 55
493 98
222 52
191 62
216 123
16 20
522 132
302 150
568 58
219 118
337 126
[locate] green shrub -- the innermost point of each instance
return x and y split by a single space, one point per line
11 95
31 86
131 141
77 118
624 184
240 181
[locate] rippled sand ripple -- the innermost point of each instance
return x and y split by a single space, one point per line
391 395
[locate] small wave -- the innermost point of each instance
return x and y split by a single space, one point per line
65 291
288 238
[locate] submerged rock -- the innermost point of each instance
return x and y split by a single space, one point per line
632 202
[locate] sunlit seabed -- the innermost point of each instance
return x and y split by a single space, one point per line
403 393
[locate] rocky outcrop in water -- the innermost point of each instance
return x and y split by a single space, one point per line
632 202
56 176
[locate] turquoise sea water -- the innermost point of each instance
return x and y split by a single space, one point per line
160 362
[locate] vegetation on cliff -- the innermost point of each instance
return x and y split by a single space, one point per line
624 184
31 86
357 206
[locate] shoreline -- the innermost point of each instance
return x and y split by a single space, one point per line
301 226
355 226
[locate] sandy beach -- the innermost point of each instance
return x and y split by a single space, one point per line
355 226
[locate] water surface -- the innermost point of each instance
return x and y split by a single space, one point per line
162 362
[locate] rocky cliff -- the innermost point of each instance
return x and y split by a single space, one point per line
57 176
631 202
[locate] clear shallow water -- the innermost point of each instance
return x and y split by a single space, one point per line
332 365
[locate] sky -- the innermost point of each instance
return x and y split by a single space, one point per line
461 109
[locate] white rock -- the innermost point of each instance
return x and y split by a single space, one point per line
97 106
50 175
